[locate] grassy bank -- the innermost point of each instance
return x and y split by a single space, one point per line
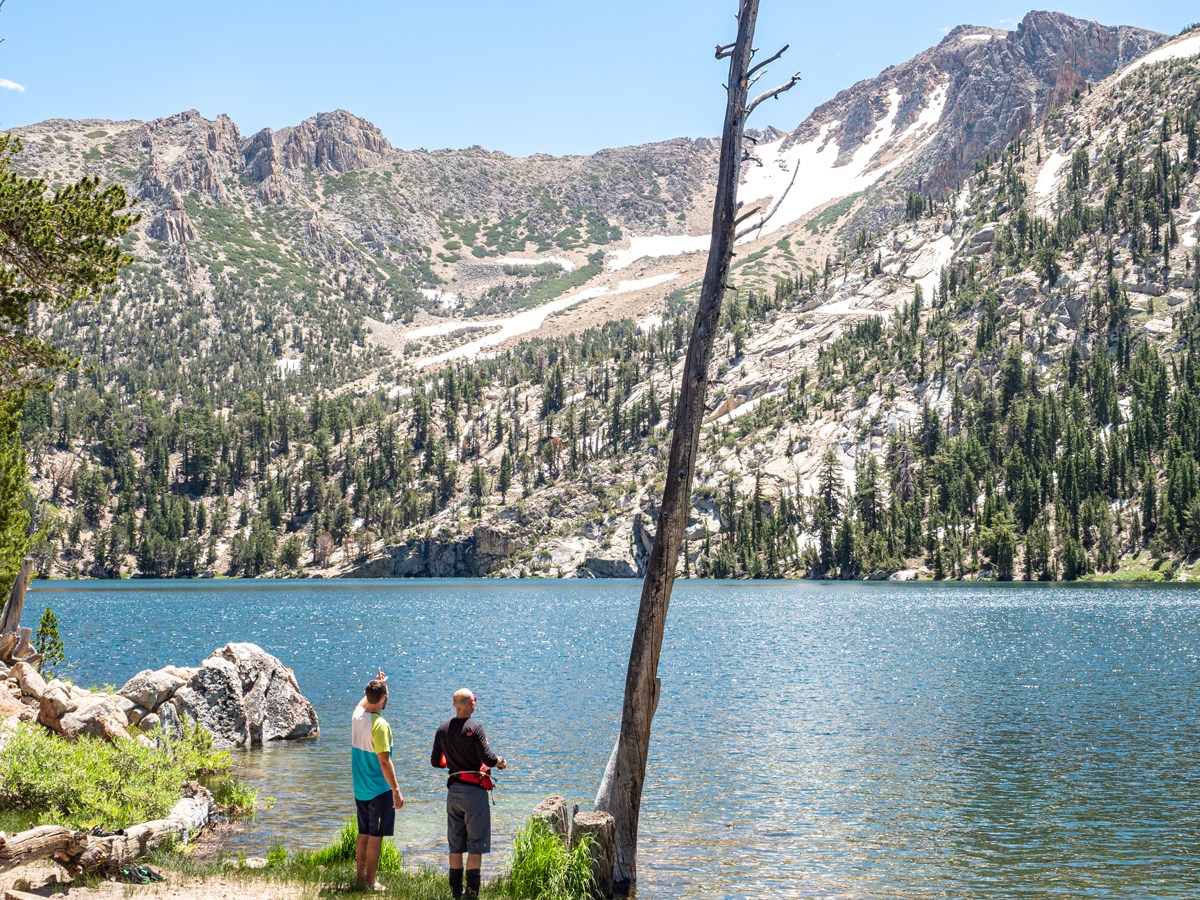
539 868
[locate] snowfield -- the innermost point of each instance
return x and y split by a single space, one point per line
523 322
1046 188
656 247
1180 49
821 179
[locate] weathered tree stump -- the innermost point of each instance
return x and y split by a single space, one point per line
602 828
553 812
15 641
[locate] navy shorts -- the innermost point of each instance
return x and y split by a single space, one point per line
468 819
376 817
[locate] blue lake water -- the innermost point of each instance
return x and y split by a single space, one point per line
812 740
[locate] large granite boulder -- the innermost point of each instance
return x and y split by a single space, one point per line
245 696
275 708
213 699
99 715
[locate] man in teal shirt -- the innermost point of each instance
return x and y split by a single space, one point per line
376 792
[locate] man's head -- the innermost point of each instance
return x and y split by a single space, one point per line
376 692
464 702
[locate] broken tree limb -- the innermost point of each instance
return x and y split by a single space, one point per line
626 773
38 844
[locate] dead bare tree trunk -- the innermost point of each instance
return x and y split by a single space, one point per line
621 788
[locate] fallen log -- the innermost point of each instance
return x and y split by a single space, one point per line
187 818
39 843
79 852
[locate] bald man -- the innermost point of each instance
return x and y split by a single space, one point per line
461 745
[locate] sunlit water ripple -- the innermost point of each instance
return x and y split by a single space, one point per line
812 740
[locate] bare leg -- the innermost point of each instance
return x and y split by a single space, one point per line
474 860
456 860
374 848
360 859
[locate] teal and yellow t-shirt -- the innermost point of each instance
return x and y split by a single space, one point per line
369 734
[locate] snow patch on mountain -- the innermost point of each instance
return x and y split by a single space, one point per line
1181 49
505 328
1046 187
819 178
656 246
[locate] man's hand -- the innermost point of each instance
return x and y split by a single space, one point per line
397 799
502 763
380 676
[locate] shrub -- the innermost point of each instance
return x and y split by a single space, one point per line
93 782
543 868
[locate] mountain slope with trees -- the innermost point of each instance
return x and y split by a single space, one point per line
999 381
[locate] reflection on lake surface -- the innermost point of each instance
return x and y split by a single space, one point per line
843 740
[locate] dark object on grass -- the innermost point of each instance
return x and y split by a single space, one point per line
139 875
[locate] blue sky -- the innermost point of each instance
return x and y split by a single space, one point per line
522 77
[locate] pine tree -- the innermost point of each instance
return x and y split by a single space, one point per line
48 644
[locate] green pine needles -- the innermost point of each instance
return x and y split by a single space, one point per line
48 644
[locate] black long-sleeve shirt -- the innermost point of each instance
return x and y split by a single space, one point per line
464 745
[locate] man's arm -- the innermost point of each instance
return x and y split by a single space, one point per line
389 775
435 755
485 749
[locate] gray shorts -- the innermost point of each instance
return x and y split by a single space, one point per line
468 819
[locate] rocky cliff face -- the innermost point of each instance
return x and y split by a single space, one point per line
984 85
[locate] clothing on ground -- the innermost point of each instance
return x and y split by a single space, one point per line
464 744
370 734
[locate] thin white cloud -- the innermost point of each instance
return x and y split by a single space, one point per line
11 85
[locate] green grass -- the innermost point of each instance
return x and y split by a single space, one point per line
1137 568
540 868
543 868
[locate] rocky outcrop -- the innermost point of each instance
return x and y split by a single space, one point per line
334 141
241 694
992 84
173 224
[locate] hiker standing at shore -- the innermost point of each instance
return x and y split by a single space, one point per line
461 745
376 792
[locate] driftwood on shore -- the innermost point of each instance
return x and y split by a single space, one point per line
16 642
79 852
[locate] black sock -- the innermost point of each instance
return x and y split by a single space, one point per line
456 881
473 882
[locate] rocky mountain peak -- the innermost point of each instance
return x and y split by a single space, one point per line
334 141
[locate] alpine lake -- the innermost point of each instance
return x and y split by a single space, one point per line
812 739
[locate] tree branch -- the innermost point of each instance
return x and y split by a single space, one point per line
758 226
723 50
774 92
766 62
